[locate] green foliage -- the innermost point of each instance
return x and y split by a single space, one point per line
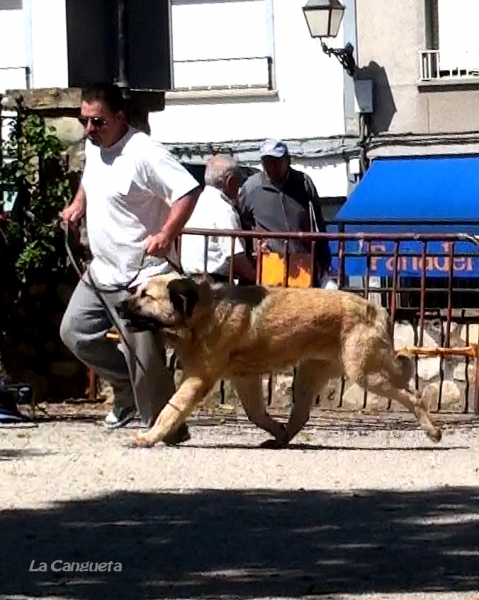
34 169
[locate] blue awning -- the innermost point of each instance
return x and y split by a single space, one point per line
425 193
414 195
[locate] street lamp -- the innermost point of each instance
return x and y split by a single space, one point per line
324 19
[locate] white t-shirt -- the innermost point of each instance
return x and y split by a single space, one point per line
130 188
212 211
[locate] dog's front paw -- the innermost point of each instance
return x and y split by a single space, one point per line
142 441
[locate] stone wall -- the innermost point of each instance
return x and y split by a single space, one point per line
34 352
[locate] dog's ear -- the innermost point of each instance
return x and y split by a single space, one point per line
184 294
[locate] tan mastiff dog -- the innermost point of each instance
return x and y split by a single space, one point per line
242 332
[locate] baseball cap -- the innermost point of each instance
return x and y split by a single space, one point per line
271 147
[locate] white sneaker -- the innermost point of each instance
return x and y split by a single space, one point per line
119 418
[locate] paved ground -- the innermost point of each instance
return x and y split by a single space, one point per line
350 512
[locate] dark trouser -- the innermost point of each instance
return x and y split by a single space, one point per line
137 371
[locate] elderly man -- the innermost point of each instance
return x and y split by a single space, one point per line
216 209
283 199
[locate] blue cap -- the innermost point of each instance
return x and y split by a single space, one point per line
275 148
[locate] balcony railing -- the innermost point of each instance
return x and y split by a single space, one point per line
440 65
224 74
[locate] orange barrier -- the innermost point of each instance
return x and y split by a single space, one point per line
470 351
294 271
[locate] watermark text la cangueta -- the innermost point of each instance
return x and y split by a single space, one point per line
58 566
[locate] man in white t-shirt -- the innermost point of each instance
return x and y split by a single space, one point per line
136 198
215 209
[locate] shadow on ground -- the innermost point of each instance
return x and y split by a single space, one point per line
212 544
325 447
15 454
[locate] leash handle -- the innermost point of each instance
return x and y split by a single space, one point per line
111 290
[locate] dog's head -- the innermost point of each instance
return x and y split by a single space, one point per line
163 302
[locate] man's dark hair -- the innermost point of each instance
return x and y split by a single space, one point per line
108 93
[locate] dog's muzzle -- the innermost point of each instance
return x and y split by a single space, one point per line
133 321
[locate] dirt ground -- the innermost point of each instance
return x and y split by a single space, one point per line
360 507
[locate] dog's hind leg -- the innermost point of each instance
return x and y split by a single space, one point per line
189 394
311 377
250 391
383 384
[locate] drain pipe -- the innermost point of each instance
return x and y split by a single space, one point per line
122 22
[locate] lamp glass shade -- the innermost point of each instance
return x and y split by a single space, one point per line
323 17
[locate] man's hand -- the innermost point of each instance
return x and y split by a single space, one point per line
72 214
158 244
263 247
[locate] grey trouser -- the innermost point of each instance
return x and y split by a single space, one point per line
137 371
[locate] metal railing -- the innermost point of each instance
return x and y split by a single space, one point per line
422 282
224 74
430 285
440 65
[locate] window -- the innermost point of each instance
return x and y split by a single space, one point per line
452 39
222 44
13 72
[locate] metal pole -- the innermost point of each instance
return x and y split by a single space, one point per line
123 81
1 145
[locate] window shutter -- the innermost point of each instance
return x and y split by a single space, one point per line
432 25
11 4
93 56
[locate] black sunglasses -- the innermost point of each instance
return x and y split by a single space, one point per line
97 122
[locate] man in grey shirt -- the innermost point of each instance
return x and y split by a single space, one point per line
283 199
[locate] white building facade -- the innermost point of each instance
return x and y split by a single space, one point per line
243 70
33 44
